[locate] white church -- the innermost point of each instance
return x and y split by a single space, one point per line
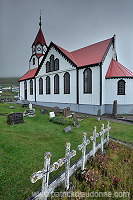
85 80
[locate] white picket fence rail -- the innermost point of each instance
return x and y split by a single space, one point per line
49 187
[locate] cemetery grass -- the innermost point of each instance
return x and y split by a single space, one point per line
23 146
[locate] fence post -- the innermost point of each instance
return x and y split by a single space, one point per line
108 127
102 136
67 165
68 156
95 135
45 179
83 148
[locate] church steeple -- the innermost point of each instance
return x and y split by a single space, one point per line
40 23
39 45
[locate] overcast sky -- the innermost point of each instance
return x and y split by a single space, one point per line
71 24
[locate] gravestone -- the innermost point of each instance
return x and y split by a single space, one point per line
75 119
11 107
30 106
15 118
56 109
99 115
25 103
67 129
29 113
66 111
43 111
114 110
51 115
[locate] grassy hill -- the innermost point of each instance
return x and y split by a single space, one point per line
9 81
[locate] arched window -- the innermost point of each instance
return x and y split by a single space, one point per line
40 86
47 85
31 87
56 84
33 61
47 66
52 63
66 83
25 90
121 87
56 64
87 81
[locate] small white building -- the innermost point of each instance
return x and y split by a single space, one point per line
86 79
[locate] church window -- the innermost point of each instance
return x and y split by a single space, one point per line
56 84
25 90
52 63
66 83
47 85
87 81
56 64
47 66
121 87
33 61
40 86
31 87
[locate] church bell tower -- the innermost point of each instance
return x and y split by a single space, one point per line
39 48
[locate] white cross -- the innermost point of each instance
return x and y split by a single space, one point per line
68 156
83 148
102 136
93 138
108 128
44 174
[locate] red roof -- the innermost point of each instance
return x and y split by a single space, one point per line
39 38
88 55
117 70
39 55
30 74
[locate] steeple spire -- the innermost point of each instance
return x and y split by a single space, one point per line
40 23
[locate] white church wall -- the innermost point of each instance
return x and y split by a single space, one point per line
31 66
29 96
94 98
61 97
21 90
105 67
63 64
111 92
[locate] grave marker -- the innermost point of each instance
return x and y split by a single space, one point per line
102 136
51 115
67 129
56 109
44 111
83 148
93 138
68 156
66 111
15 118
75 119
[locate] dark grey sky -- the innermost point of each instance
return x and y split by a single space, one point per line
71 24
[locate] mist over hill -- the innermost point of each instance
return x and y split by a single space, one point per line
9 80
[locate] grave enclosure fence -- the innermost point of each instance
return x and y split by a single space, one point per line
49 187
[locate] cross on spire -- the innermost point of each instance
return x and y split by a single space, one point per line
40 23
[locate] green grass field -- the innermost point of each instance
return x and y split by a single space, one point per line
23 147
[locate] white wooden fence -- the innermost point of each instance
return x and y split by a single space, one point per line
48 187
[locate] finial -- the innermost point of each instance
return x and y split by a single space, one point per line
40 23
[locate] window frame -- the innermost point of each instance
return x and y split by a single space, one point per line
40 86
56 84
48 85
87 81
121 87
67 83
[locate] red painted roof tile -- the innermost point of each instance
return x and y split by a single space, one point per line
40 38
117 70
30 74
88 55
